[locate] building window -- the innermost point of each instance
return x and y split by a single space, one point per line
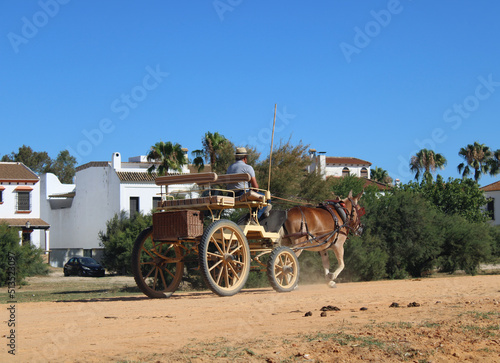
1 196
156 200
134 205
26 237
364 173
23 201
345 171
490 208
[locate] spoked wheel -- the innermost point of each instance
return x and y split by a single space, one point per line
224 258
157 266
283 269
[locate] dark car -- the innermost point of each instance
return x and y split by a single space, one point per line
83 266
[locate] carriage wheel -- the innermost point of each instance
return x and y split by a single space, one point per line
157 266
224 258
283 269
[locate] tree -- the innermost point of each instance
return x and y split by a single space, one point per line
166 156
404 222
288 170
477 157
465 244
39 162
380 175
460 197
494 163
118 240
213 144
16 261
427 161
64 167
343 185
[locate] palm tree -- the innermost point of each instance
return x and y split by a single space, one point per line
212 144
477 157
380 175
166 156
427 161
495 163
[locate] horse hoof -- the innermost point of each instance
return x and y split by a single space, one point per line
332 284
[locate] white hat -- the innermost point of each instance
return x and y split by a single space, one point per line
241 151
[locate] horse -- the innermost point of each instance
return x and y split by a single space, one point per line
324 227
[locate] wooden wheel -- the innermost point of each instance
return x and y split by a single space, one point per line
283 269
157 266
224 258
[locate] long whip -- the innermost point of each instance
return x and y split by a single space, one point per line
271 152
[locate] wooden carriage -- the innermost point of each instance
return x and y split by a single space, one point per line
224 249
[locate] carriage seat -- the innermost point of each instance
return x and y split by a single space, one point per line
251 196
210 201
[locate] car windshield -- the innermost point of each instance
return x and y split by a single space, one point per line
88 261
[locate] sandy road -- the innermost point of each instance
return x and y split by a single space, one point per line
455 321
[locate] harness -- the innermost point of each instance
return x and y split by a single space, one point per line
331 238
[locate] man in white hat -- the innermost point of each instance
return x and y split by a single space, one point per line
241 166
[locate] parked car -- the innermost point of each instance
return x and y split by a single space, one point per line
83 266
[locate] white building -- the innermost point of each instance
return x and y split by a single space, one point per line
20 204
339 166
77 212
492 193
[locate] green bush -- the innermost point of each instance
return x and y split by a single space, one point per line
21 261
455 197
404 222
119 238
495 243
465 244
364 259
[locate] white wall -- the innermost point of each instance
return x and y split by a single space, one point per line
95 202
496 206
145 192
9 206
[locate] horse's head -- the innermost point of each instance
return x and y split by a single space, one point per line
355 213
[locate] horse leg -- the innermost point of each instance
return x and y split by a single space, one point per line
338 249
326 266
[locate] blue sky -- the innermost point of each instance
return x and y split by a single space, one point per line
376 80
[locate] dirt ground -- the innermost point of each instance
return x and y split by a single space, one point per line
453 319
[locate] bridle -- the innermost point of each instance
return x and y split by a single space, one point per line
360 211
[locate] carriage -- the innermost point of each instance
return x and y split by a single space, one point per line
224 249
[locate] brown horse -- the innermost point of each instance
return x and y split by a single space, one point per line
324 227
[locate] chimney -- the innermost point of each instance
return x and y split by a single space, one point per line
116 161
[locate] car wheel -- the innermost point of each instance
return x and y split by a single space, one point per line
66 273
80 272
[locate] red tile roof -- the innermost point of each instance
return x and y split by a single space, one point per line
494 187
93 164
36 223
346 160
135 176
16 172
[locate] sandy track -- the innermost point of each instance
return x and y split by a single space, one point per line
458 319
